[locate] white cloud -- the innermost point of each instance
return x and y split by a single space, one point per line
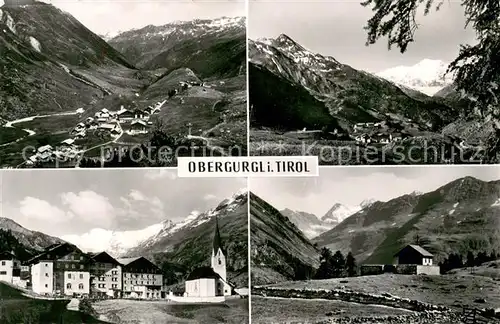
90 206
209 197
162 174
34 208
137 195
114 242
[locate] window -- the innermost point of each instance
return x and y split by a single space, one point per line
69 275
46 264
114 285
81 258
46 286
220 262
46 274
73 266
66 266
80 286
81 275
81 266
68 286
3 272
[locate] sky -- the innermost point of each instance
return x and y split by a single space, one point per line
335 28
104 17
352 185
65 202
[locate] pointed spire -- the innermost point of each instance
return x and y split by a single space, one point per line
217 240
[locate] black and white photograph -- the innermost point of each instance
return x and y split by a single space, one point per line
88 83
415 245
371 82
123 246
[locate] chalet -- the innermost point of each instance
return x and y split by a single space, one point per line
414 254
80 134
68 142
60 269
149 110
141 278
89 120
44 149
363 138
125 115
112 128
139 114
10 268
138 127
105 276
382 138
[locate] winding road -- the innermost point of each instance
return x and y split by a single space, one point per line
31 132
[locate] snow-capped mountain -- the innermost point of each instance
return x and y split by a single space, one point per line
158 41
118 243
114 242
339 212
319 92
427 76
189 242
195 219
307 223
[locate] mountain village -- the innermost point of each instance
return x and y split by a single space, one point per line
111 125
63 271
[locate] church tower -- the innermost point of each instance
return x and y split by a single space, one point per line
219 261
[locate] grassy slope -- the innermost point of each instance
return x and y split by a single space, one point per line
16 308
279 104
445 290
277 244
134 312
458 217
364 231
275 310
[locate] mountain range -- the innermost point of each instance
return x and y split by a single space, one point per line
52 65
460 216
177 248
292 89
312 225
427 76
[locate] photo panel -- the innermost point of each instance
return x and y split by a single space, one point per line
323 82
121 83
123 246
377 245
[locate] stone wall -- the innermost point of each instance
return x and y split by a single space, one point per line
371 269
429 270
349 296
406 269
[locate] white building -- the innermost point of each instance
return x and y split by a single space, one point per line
42 277
210 281
10 267
105 276
141 278
76 282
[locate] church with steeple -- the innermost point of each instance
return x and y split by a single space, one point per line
210 281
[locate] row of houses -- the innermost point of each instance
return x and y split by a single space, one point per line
382 138
410 260
66 150
64 270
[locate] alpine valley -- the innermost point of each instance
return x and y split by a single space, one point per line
177 248
299 99
460 220
69 97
